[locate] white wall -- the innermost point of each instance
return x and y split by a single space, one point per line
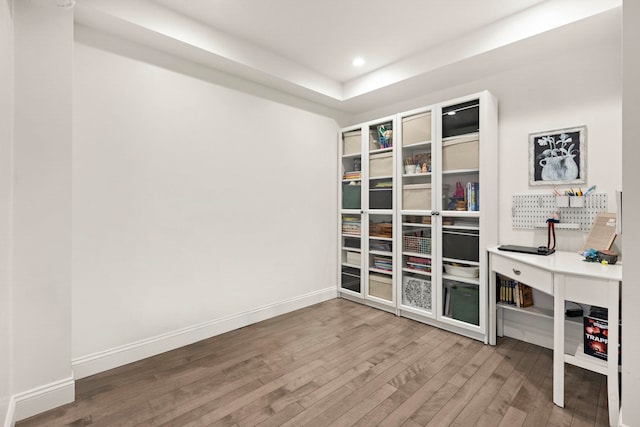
580 87
631 229
6 116
193 203
41 293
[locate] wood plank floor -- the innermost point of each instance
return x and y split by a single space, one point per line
337 363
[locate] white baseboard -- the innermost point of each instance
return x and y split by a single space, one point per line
40 399
9 415
122 355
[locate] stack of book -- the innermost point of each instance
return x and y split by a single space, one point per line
351 225
420 264
512 292
382 263
352 175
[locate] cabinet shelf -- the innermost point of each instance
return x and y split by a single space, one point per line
386 239
460 171
461 279
381 271
422 273
350 235
352 155
381 150
346 264
419 144
416 175
417 254
346 248
461 227
374 252
459 214
546 313
375 178
416 224
583 360
461 261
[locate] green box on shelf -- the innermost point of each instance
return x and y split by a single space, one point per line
465 304
351 196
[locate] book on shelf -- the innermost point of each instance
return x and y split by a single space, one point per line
514 293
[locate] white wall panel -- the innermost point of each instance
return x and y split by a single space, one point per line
192 202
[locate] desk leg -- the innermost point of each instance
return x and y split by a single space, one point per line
612 352
492 305
558 340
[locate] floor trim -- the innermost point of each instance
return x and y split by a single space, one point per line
118 356
40 399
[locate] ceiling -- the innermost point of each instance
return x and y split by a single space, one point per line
306 47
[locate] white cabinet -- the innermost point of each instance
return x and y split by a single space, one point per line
367 206
446 221
420 223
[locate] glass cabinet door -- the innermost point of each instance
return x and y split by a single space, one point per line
380 256
461 269
417 258
352 170
459 163
351 253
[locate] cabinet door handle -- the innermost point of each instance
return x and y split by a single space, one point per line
516 272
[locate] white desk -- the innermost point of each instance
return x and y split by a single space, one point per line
568 278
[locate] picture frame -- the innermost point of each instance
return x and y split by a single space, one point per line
558 157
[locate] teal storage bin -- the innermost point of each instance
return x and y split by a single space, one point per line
465 304
351 196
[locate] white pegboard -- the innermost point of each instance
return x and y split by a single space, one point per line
532 210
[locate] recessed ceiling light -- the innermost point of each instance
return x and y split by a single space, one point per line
358 62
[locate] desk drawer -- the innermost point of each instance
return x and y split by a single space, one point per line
535 277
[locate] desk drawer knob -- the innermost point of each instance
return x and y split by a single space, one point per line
516 272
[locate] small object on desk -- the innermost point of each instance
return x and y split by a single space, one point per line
607 257
590 255
602 233
540 250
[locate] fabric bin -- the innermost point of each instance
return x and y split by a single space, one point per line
416 128
416 292
380 164
465 304
416 197
351 195
353 258
461 153
380 199
352 142
350 279
380 286
462 245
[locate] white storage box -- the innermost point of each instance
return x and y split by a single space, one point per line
352 142
381 164
416 197
353 258
380 286
416 128
460 153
